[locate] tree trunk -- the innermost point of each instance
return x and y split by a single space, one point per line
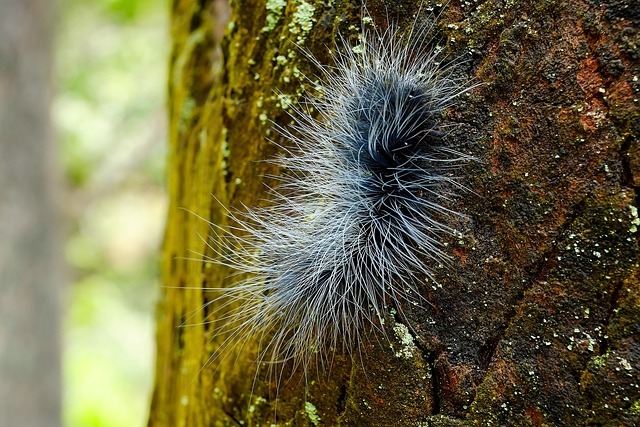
31 253
538 321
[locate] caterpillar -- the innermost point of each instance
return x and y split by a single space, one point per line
356 223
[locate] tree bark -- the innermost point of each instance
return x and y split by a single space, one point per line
538 321
31 253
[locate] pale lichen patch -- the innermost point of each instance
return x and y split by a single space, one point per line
302 21
312 413
275 9
405 337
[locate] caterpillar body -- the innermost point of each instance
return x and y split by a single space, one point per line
357 221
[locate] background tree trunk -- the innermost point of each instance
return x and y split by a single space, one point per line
537 324
31 250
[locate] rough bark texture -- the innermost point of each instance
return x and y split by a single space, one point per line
31 253
537 324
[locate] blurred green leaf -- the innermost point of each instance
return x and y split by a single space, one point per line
111 76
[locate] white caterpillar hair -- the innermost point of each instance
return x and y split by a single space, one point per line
356 224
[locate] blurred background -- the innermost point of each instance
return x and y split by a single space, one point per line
110 72
82 208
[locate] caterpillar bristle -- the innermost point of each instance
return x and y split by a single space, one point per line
357 221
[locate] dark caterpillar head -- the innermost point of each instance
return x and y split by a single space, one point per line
394 119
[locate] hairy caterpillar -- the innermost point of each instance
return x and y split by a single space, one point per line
356 223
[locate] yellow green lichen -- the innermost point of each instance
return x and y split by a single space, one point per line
302 21
312 413
275 9
285 101
635 222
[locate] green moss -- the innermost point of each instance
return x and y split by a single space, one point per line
599 362
181 62
185 113
635 408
